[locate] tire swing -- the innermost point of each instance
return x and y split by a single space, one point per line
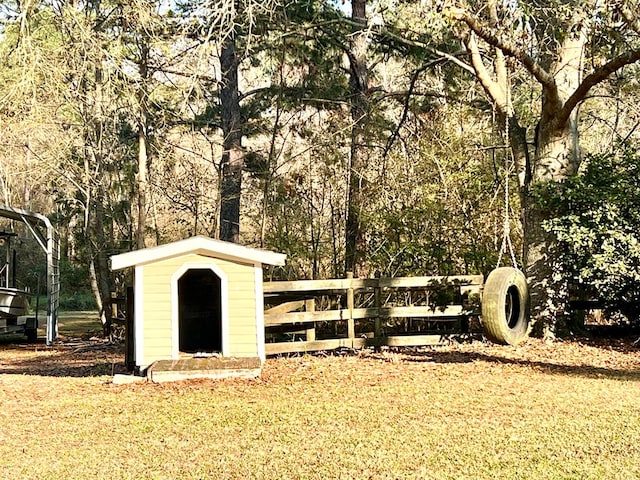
505 296
505 306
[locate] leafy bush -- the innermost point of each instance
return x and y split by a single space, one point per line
78 301
597 224
68 302
75 290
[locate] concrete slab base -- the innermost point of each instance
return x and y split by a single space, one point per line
211 368
119 379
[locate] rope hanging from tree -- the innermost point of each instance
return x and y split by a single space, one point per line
509 161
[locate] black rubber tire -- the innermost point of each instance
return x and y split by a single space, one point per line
505 306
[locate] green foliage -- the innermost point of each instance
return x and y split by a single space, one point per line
74 279
81 301
438 209
76 302
78 80
597 223
75 291
297 227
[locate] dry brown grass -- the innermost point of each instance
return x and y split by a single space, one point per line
476 411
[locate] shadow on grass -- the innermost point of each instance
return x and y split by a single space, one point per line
82 358
550 367
80 352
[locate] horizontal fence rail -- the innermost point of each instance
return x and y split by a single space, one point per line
363 312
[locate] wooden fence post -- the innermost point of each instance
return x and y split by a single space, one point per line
310 306
351 327
129 343
377 301
114 305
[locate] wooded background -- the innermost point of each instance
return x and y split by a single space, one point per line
373 136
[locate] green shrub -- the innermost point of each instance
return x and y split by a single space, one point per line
79 301
597 224
68 302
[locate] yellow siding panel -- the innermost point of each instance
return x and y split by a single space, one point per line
242 337
244 350
156 296
151 343
158 331
156 312
157 315
171 265
242 330
242 306
157 320
242 325
155 355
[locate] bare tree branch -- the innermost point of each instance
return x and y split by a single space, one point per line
508 47
452 57
405 110
500 63
598 75
493 89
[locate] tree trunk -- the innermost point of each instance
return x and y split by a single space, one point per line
142 182
232 163
556 158
142 146
355 244
101 264
94 171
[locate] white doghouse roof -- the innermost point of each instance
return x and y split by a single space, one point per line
199 245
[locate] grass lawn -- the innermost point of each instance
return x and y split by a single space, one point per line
473 411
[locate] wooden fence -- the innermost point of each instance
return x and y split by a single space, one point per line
311 315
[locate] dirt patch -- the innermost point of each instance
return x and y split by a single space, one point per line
78 357
66 358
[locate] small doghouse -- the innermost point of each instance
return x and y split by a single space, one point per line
198 299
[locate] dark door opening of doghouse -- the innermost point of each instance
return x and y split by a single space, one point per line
200 312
